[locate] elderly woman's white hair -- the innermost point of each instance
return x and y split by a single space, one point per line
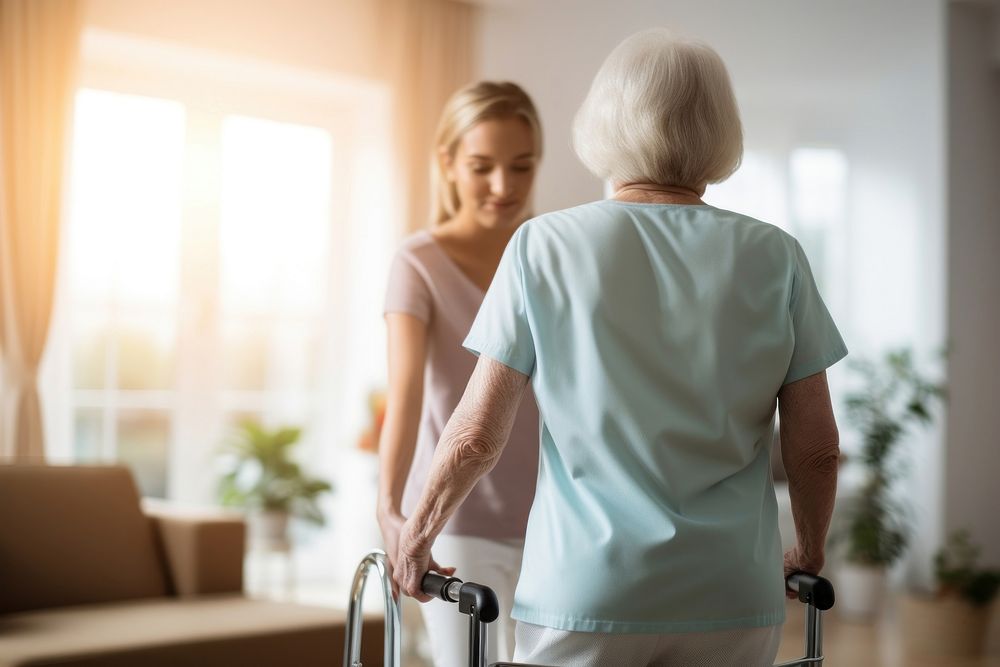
660 110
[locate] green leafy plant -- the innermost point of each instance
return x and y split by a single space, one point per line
894 396
261 474
956 568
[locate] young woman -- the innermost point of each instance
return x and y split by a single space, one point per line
488 146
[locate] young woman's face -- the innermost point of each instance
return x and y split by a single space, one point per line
493 170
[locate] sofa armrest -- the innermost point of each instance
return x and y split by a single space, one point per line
203 551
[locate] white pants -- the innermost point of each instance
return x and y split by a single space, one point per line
494 563
750 647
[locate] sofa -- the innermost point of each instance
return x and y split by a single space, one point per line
88 579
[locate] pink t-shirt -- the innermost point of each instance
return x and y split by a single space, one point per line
426 283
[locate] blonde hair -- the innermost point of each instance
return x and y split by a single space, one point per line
660 110
465 109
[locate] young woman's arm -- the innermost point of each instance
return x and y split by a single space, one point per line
407 351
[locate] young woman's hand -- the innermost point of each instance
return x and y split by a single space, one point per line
391 523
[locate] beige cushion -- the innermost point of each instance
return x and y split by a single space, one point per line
212 630
73 535
203 550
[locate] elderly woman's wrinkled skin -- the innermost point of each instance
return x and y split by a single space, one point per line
470 446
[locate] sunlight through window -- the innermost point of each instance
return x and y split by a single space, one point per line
124 271
125 224
756 189
818 192
275 215
819 182
217 245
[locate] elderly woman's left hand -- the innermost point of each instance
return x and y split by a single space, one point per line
413 560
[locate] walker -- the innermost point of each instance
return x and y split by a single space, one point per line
480 604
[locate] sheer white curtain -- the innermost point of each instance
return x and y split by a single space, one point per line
39 44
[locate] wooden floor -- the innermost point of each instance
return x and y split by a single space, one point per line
853 644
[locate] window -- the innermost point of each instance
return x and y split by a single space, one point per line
274 243
124 250
818 189
220 241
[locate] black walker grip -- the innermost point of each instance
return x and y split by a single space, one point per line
436 585
479 600
812 589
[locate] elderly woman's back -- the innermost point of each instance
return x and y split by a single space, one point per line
660 336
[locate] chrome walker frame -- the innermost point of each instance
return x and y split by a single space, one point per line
453 590
374 562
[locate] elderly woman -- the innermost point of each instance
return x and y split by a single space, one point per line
659 334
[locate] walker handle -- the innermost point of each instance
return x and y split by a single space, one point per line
811 589
474 599
440 586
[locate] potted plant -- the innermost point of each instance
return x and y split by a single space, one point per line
262 477
874 525
953 620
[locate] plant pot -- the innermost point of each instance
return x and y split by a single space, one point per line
269 530
943 626
861 591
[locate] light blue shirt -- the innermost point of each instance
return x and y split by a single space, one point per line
656 338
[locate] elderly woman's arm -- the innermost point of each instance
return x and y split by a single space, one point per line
810 450
470 446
